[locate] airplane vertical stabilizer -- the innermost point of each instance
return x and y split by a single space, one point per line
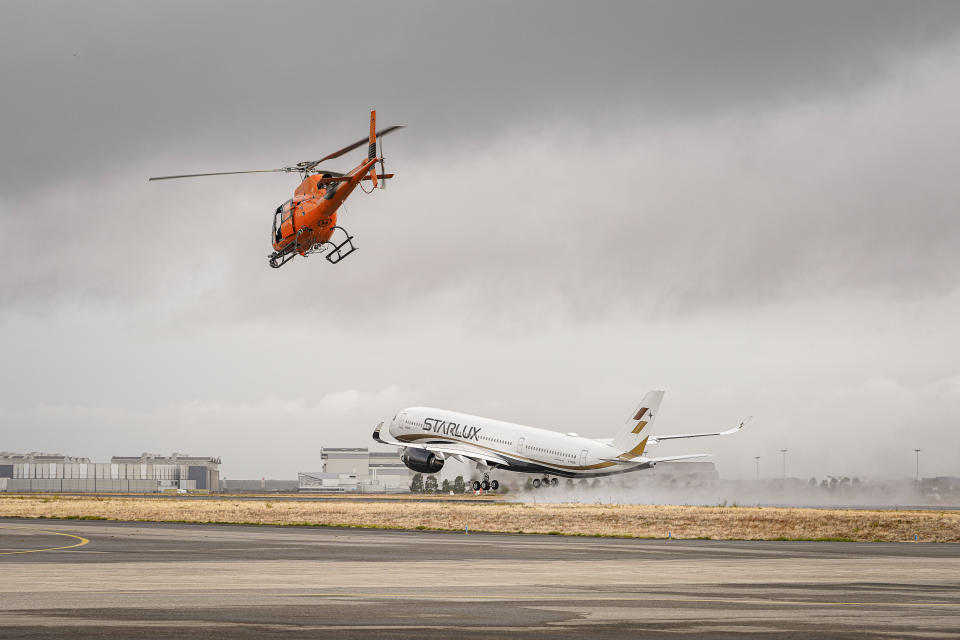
632 440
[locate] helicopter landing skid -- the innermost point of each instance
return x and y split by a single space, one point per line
336 252
279 258
340 250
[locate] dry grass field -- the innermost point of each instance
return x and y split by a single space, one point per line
752 523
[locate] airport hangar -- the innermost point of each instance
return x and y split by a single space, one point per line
146 473
342 470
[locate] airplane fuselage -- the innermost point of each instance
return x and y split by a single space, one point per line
524 448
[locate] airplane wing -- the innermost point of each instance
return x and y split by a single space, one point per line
657 439
462 453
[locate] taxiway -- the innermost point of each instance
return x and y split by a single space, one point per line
75 578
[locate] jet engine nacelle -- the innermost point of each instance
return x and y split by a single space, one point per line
421 460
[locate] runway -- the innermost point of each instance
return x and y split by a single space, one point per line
116 580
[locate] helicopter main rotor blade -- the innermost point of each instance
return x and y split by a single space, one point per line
359 143
381 176
219 173
303 167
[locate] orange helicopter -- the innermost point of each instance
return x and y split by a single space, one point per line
307 223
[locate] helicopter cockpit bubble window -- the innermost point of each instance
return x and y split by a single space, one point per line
281 215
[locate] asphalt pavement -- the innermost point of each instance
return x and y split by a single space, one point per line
118 580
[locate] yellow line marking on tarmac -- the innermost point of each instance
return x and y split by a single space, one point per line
82 540
578 596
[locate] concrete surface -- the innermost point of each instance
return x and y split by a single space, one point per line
118 580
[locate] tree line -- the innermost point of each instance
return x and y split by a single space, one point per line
430 485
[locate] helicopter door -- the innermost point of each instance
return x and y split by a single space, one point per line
283 213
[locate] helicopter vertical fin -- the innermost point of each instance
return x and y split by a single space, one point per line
372 148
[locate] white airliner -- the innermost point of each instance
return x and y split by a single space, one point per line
430 436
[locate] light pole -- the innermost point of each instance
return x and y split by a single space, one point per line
917 451
757 458
784 452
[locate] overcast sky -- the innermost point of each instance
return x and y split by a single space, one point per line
750 205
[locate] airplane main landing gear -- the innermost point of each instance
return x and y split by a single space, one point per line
486 484
545 482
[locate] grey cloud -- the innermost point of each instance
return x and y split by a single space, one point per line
97 85
817 200
750 205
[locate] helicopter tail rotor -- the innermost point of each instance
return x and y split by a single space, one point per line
372 148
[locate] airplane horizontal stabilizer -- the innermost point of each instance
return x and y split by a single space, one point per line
625 461
672 458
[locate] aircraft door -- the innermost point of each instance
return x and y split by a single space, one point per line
520 445
283 213
583 458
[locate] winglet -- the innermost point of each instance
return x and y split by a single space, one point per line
736 428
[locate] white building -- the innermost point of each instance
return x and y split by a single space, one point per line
357 469
146 473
